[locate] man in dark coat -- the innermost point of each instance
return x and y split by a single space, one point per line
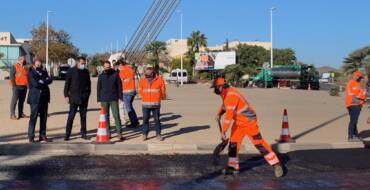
77 91
38 98
109 92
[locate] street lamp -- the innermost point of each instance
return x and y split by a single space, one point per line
272 9
47 41
181 56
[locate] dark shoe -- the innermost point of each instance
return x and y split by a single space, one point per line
66 139
354 139
13 117
230 171
160 138
120 137
23 116
85 137
44 139
31 140
133 126
278 170
144 137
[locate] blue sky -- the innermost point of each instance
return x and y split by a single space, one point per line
322 32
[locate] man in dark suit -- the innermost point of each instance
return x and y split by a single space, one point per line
38 98
77 91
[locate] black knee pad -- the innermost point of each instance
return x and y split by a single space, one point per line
262 149
233 149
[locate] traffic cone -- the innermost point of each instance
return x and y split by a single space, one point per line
285 134
309 86
102 134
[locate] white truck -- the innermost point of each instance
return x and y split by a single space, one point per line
176 76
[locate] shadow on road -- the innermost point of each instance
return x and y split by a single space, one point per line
66 112
295 137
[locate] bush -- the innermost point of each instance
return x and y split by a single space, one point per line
334 91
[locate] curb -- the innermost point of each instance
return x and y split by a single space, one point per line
124 149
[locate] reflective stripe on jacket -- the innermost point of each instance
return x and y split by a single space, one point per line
355 95
151 92
237 109
127 76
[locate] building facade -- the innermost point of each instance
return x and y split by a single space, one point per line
11 49
178 47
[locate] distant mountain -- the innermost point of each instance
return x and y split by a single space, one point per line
326 69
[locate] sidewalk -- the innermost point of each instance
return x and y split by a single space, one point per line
315 118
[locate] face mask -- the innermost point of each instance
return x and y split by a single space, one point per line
217 91
82 66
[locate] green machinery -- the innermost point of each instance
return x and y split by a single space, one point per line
293 76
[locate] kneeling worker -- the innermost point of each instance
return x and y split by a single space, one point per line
243 118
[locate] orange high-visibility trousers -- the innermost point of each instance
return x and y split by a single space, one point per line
252 131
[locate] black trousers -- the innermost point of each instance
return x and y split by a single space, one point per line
41 110
354 113
19 96
71 116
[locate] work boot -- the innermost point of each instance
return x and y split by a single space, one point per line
133 125
144 137
66 138
31 140
278 170
13 117
160 138
45 139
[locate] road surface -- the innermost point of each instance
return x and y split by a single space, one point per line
315 169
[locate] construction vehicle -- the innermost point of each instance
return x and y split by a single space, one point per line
293 76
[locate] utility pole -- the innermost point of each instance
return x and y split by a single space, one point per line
47 41
272 49
181 56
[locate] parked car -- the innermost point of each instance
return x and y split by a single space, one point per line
62 71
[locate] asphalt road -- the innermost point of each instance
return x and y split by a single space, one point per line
316 169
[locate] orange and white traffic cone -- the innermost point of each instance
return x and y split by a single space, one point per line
102 134
285 134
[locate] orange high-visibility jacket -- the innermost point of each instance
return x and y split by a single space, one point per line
355 95
127 76
237 109
21 73
151 92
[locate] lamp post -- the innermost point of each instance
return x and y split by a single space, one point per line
181 56
272 9
47 41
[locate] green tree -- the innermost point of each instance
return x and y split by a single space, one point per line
284 56
60 46
357 59
156 50
251 57
196 41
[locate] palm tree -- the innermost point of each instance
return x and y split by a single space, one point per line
195 42
357 59
156 49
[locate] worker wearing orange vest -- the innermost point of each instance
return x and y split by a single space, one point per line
355 97
127 76
19 83
242 117
151 90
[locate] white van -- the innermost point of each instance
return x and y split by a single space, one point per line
176 76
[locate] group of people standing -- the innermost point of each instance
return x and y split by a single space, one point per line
115 85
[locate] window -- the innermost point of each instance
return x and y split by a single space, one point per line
174 74
184 74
